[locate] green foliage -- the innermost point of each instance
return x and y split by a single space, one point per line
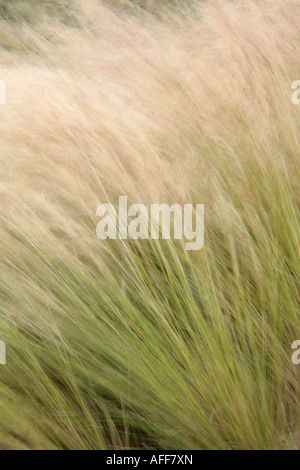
32 11
122 344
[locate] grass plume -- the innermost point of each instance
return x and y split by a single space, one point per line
122 344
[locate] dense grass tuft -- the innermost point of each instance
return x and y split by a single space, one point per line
122 344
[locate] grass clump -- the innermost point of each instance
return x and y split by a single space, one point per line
141 344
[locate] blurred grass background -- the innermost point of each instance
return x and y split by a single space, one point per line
32 14
32 11
123 344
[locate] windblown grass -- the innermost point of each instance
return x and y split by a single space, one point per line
123 344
